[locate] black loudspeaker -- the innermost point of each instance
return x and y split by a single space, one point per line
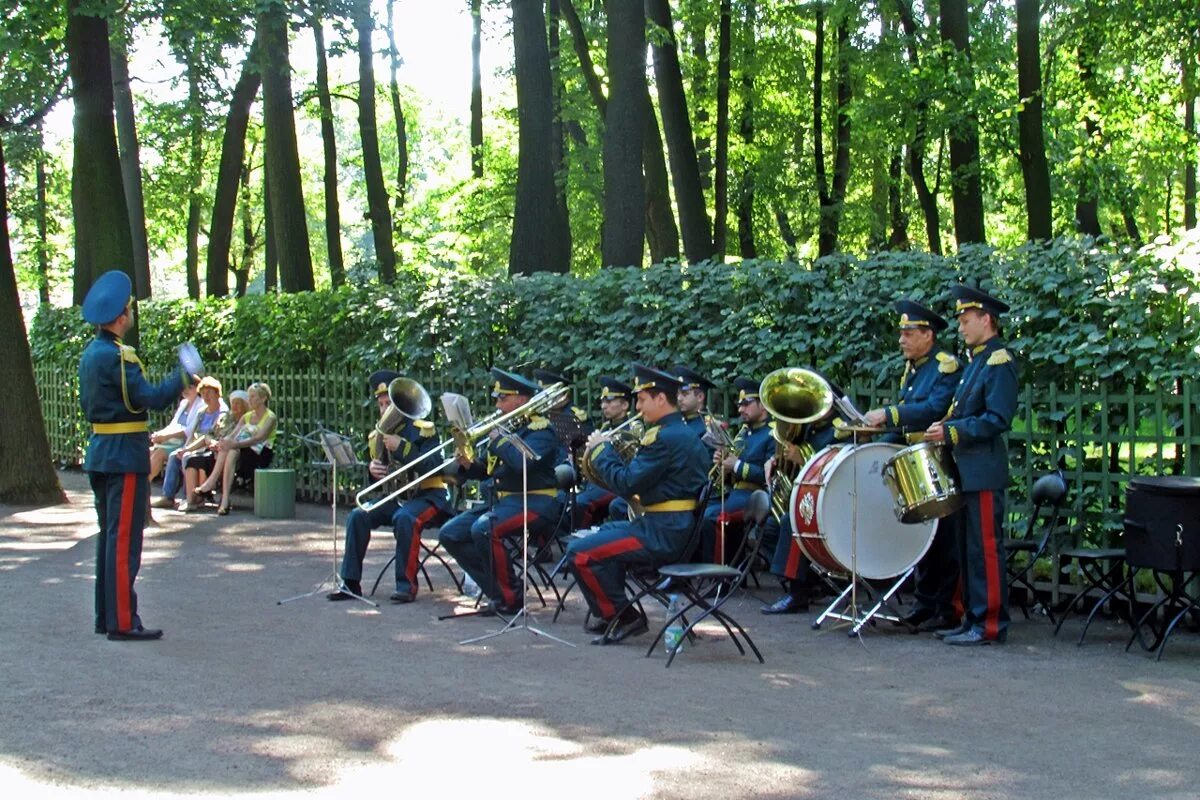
1162 523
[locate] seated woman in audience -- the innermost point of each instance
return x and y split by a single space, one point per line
167 440
212 409
248 447
200 460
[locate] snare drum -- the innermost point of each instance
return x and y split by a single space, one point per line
842 514
924 482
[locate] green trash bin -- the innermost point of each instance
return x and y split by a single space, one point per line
275 493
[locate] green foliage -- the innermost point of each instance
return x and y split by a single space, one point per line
1083 315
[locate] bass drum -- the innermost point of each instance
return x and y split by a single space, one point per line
823 513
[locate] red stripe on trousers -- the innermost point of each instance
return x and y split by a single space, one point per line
792 568
723 518
121 574
500 554
583 569
991 565
414 546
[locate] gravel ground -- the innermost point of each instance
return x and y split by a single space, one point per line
244 696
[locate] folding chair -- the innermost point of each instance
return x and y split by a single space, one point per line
1049 491
695 581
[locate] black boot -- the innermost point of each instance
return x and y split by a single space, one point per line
352 588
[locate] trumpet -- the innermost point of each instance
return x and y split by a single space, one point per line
463 442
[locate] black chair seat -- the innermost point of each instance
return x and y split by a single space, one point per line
1023 545
1094 552
697 571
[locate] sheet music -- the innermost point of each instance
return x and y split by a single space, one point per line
338 449
848 412
458 410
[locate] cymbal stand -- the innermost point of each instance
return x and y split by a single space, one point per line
337 449
520 620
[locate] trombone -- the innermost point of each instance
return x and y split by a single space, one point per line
464 442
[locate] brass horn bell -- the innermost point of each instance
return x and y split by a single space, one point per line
407 399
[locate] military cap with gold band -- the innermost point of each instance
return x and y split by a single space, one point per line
611 388
967 297
914 316
506 382
690 379
747 390
650 378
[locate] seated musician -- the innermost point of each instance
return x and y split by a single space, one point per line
740 475
591 504
666 475
693 399
926 389
427 505
475 537
570 423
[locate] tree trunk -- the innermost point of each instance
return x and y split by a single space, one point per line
787 234
541 238
131 161
195 108
966 187
681 146
377 200
831 198
745 206
721 177
558 141
1087 202
1189 128
579 39
700 91
896 214
401 124
476 90
43 236
1034 168
233 152
26 472
249 239
916 148
661 233
101 216
282 156
333 213
271 250
624 189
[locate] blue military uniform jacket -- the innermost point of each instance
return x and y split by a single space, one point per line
757 446
116 396
982 412
501 460
417 437
926 390
670 464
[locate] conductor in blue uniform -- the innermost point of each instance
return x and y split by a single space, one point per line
926 389
985 402
115 396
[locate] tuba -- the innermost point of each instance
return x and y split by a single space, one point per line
797 398
407 399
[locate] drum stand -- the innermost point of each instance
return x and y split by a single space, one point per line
337 450
845 607
522 614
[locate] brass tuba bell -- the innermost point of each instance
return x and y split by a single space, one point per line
797 398
407 399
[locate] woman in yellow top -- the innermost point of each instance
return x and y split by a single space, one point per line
249 445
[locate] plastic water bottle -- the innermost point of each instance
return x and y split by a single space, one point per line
470 587
674 634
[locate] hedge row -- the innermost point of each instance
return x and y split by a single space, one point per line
1083 315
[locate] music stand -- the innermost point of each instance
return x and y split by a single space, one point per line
522 613
338 452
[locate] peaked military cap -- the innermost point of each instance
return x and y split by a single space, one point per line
914 315
747 390
380 380
690 379
512 383
107 298
651 378
966 297
611 387
546 378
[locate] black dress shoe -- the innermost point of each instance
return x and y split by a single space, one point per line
918 616
971 638
101 629
135 635
353 587
400 598
633 625
788 604
962 627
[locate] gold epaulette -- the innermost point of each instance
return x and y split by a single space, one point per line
999 357
538 423
580 414
426 428
650 436
128 353
947 364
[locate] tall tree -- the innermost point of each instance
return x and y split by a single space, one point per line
926 197
131 158
831 195
195 173
662 235
558 143
624 190
966 185
721 168
398 115
745 204
42 222
1034 167
1191 52
476 89
540 235
677 129
333 212
102 238
377 200
289 223
1087 179
229 172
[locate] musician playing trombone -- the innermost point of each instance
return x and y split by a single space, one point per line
427 506
476 537
592 502
926 389
739 470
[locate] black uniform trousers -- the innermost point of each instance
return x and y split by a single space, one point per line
936 575
121 503
981 560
